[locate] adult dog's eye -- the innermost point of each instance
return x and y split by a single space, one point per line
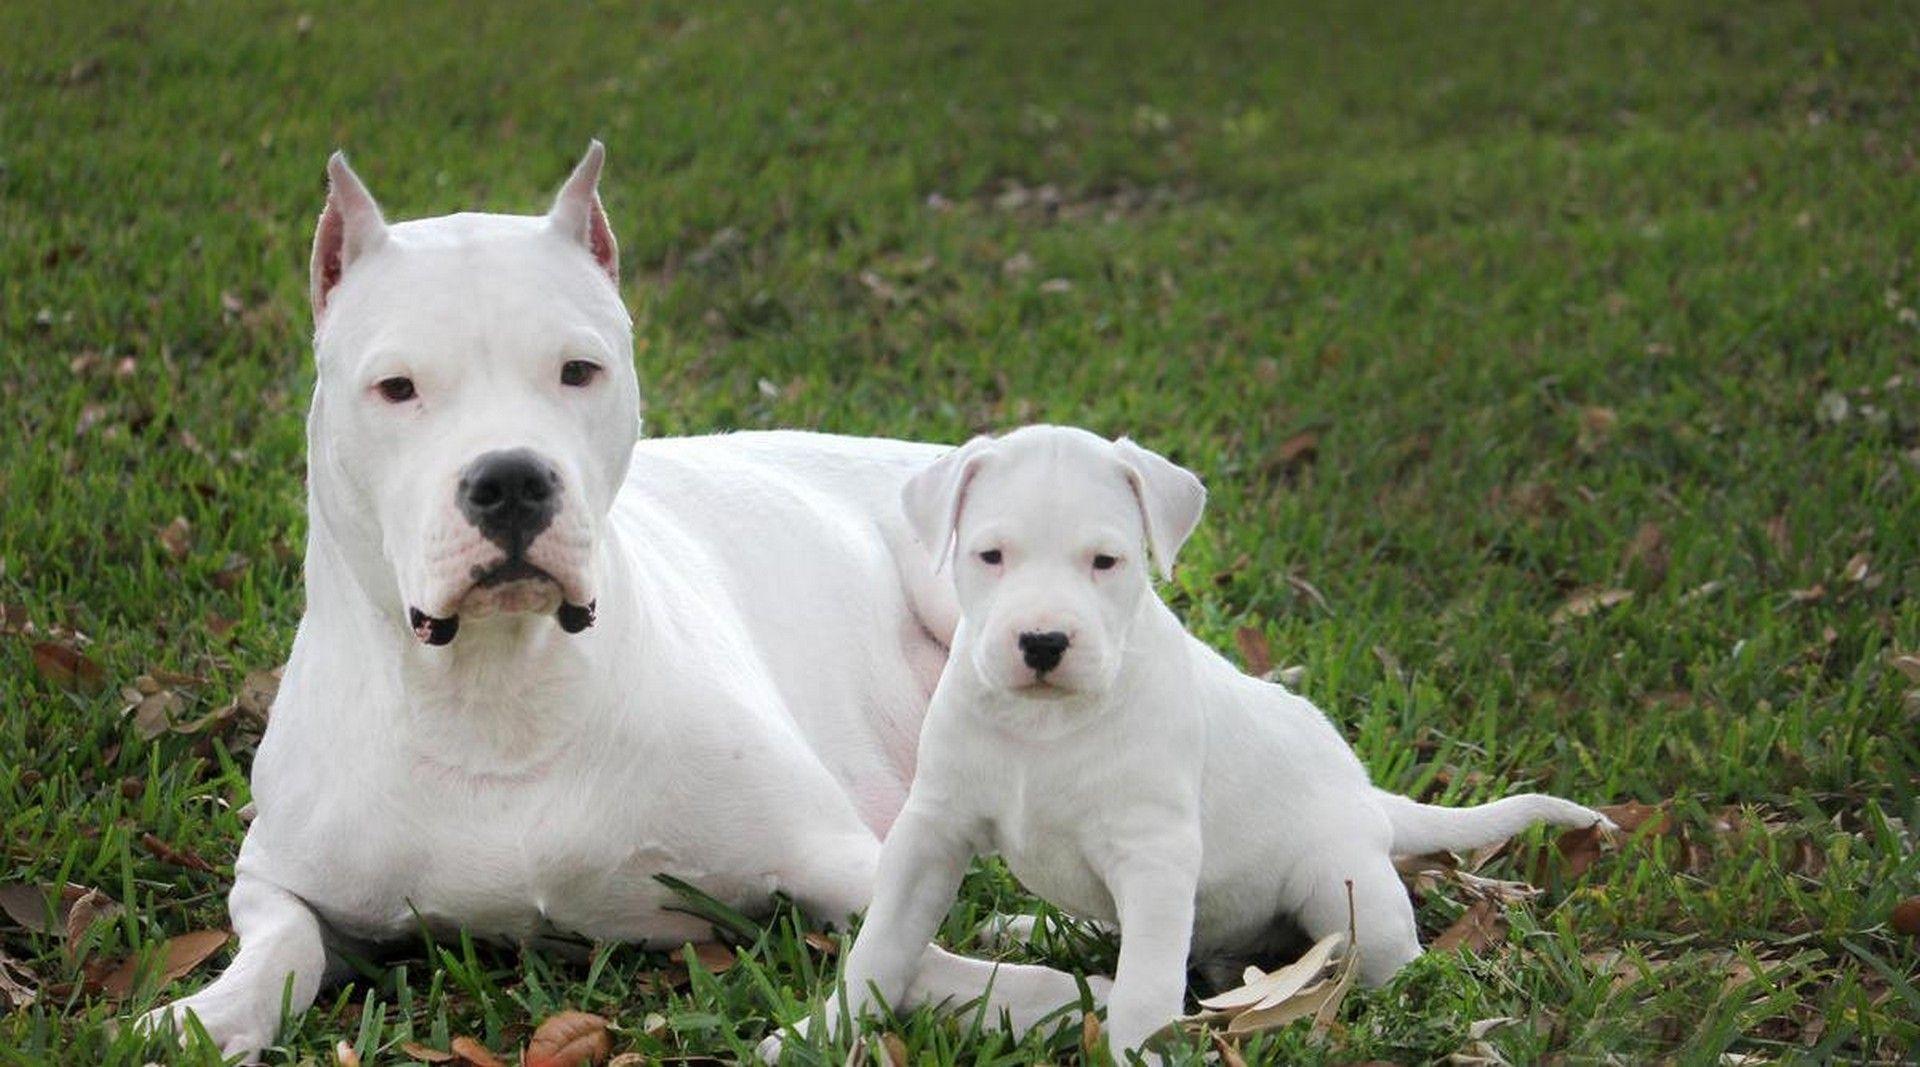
578 372
396 390
991 557
1104 562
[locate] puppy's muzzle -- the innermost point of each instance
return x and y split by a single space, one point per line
1042 651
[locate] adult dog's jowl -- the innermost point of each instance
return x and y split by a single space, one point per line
543 661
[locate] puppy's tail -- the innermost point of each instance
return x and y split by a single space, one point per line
1421 828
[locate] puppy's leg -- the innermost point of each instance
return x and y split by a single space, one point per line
280 943
1382 914
920 869
1153 893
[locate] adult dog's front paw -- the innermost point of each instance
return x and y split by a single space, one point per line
230 1026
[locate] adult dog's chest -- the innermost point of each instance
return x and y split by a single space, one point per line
514 860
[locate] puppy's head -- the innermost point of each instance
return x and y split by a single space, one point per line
477 405
1051 532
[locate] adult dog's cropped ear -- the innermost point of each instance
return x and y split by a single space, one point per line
934 498
577 213
350 226
1170 497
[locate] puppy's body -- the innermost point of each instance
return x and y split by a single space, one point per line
1157 788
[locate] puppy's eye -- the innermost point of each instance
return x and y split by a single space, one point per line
1104 562
991 557
396 390
578 372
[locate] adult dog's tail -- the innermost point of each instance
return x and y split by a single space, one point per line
1421 828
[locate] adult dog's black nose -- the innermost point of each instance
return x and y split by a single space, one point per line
509 496
1043 650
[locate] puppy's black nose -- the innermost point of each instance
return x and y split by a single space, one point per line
1043 650
509 496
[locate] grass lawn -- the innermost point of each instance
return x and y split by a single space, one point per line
1476 318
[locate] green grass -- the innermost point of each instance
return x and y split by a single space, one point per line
1437 236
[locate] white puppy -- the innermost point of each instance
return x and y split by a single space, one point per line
1127 772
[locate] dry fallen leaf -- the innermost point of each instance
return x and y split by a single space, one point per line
1229 1055
1596 426
1856 568
895 1048
821 943
1906 916
1648 550
628 1059
15 983
474 1054
345 1055
1580 847
1255 656
569 1039
714 956
1089 1036
68 667
1588 601
419 1053
1632 815
178 956
176 538
70 916
1482 926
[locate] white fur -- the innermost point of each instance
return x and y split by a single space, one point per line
743 715
1149 786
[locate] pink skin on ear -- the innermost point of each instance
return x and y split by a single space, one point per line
577 212
350 226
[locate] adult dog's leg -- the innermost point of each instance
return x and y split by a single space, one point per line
280 944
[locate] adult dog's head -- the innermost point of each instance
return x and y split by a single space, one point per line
477 405
1050 531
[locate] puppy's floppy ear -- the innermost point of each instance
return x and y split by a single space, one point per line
350 227
577 213
934 497
1170 499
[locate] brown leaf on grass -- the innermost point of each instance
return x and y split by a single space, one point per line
1647 550
176 538
474 1054
169 854
68 667
569 1039
714 956
153 713
1908 664
257 691
1906 917
1293 453
1778 537
1632 815
628 1059
345 1055
16 987
1855 569
1482 926
1089 1036
894 1047
13 619
1586 602
1255 655
1596 428
1812 594
1581 849
1229 1055
419 1053
68 911
176 958
821 943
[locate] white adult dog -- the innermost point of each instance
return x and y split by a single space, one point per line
1127 772
541 663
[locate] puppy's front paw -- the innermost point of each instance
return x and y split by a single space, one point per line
231 1030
